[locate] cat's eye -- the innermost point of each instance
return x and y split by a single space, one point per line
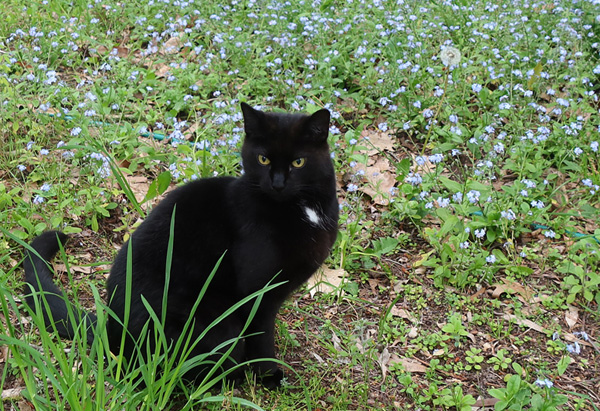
299 162
263 160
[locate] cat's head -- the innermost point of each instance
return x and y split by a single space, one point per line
286 156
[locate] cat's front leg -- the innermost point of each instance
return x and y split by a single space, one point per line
262 347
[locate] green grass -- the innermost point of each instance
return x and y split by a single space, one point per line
470 198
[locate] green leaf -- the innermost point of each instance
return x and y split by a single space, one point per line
451 185
563 364
158 186
450 223
537 70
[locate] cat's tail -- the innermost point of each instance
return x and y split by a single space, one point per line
58 312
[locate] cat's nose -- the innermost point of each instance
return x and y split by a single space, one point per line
278 181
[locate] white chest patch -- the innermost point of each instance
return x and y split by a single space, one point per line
312 216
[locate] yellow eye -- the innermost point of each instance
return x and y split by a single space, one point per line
263 160
299 162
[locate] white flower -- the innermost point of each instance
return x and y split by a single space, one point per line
450 56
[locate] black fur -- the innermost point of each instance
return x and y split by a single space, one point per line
276 220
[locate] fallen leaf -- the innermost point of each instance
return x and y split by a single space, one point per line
171 46
408 364
413 332
318 357
73 268
190 132
139 185
400 312
528 323
486 402
377 141
118 51
326 280
511 287
384 359
12 393
336 342
3 351
25 405
161 70
572 316
379 179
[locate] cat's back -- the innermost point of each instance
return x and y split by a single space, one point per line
200 214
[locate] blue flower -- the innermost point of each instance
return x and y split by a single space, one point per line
414 179
473 196
574 348
491 258
545 383
436 158
508 214
443 202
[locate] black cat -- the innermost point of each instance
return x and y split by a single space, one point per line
277 221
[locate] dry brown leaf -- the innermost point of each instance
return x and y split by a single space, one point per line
408 364
161 70
572 316
12 393
326 280
74 268
25 405
384 359
540 329
189 134
486 402
379 179
139 185
377 142
121 52
526 294
3 350
171 46
400 312
318 357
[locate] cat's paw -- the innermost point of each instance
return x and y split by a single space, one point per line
272 379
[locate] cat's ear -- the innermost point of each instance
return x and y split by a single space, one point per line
318 125
253 119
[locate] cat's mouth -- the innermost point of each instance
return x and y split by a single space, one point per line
279 194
